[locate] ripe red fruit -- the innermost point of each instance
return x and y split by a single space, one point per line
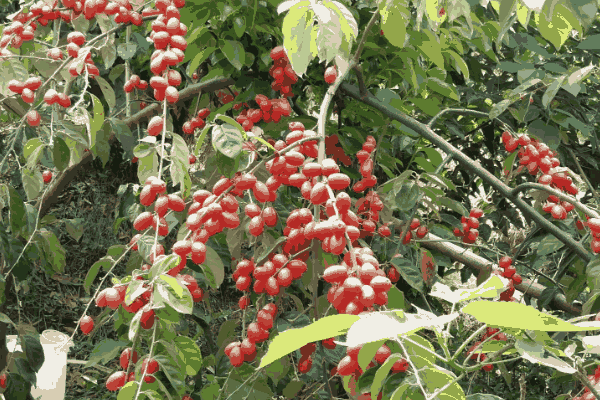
385 231
192 159
422 231
329 343
33 118
277 53
304 365
116 381
147 320
400 366
393 274
150 366
127 357
516 278
330 75
3 381
505 262
86 324
47 176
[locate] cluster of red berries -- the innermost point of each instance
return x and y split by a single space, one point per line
306 352
276 273
468 231
119 378
228 98
135 82
510 273
539 159
168 38
354 290
368 213
282 72
269 110
494 334
594 225
330 74
197 122
154 190
594 380
258 332
366 166
165 87
419 230
349 364
25 89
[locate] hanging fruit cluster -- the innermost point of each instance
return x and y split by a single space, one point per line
197 122
258 332
366 166
594 380
468 231
349 364
135 82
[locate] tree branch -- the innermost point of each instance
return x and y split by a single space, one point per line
470 165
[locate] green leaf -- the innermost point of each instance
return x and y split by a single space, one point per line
436 379
382 373
101 147
60 153
394 19
53 251
32 182
292 339
127 50
407 197
553 25
164 264
453 205
461 65
546 132
443 88
549 245
297 31
550 93
190 354
123 135
75 227
592 272
199 58
234 52
105 262
292 388
410 272
200 140
174 294
179 160
226 332
227 139
519 316
18 218
116 71
239 26
147 166
214 264
33 151
107 91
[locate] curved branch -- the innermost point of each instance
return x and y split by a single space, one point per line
564 197
474 261
61 181
470 165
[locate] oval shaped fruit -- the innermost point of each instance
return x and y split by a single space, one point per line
116 381
86 324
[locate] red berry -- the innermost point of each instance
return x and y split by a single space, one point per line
86 324
505 262
147 320
128 357
33 118
192 159
47 176
330 75
3 381
116 381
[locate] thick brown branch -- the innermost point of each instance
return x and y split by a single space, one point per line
472 260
